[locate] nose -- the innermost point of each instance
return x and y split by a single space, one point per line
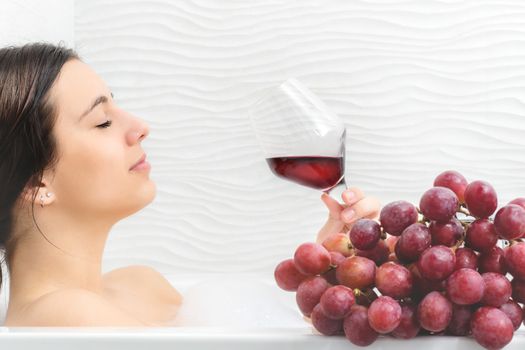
138 131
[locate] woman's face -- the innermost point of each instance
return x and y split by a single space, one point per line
97 145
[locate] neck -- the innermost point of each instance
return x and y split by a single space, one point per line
70 257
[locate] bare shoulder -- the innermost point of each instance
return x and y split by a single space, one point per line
73 308
133 296
143 280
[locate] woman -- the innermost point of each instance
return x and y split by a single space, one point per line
71 166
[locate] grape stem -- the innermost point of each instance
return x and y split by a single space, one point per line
366 293
424 220
464 211
458 243
465 223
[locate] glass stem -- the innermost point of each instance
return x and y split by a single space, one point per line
336 192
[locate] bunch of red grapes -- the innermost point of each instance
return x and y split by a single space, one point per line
446 267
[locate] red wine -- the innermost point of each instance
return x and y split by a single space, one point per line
321 173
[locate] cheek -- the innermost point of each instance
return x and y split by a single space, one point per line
91 171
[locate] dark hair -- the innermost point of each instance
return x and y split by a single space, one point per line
27 117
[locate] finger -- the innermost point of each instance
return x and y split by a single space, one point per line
333 206
374 216
352 196
332 226
367 207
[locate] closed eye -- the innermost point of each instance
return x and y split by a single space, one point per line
107 124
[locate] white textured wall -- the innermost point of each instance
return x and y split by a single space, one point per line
23 21
422 86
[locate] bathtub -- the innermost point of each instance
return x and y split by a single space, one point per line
223 312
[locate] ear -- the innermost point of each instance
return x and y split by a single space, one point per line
44 194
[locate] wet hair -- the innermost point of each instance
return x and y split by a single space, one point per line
27 118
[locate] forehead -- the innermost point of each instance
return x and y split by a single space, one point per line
76 87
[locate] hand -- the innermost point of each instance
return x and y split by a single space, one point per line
341 217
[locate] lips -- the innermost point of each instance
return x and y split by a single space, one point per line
140 161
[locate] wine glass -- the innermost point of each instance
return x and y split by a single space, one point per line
302 140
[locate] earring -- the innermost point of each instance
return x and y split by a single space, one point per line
48 194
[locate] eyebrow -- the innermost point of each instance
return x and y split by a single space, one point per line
100 99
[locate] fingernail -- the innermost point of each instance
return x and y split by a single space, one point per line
348 215
349 195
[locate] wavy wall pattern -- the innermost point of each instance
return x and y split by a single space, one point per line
422 86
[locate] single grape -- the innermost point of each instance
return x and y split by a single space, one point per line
384 314
378 254
324 324
287 276
339 242
337 301
396 216
309 293
518 290
510 221
434 312
437 263
481 235
409 325
460 322
394 280
365 234
439 204
413 241
514 312
312 258
454 181
356 272
519 201
491 327
497 289
357 328
493 261
446 233
466 258
465 287
515 260
481 199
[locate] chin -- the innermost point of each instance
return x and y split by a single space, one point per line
139 198
148 193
